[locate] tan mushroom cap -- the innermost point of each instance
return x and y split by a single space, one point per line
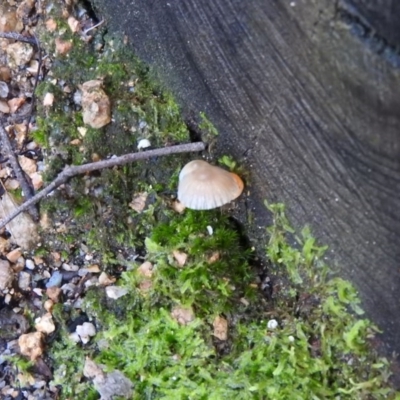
203 186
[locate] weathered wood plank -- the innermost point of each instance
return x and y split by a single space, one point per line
307 97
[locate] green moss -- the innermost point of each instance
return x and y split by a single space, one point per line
68 358
207 126
20 363
318 350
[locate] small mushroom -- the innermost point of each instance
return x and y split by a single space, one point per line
203 186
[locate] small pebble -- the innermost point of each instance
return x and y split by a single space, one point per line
142 124
45 324
48 305
38 291
55 280
85 331
143 144
272 324
54 293
70 267
105 279
31 345
24 280
115 292
6 274
29 264
13 255
7 298
3 90
68 289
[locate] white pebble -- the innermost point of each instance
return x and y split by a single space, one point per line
210 230
29 264
143 144
70 267
115 292
85 331
272 324
38 291
24 280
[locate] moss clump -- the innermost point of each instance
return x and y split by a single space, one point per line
318 350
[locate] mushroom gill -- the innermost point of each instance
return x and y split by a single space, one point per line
203 186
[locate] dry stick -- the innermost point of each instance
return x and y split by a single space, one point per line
19 173
37 44
69 172
25 186
17 36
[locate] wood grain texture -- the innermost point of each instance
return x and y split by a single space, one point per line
311 108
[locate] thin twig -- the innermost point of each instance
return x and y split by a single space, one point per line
69 172
37 44
25 185
94 27
17 36
19 173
